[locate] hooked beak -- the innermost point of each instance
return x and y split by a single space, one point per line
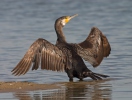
73 16
66 20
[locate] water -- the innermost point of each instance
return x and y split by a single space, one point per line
23 21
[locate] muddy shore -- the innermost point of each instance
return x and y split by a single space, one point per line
24 86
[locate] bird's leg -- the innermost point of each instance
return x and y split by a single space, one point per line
70 79
81 79
70 74
80 76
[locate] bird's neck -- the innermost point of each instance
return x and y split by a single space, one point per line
59 32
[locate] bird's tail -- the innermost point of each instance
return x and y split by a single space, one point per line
94 76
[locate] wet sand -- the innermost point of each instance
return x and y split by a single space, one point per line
95 90
30 86
24 86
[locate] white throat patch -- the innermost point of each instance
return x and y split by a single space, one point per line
63 22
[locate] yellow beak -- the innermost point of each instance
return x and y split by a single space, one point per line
70 17
73 16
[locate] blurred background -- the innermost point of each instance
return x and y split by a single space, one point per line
24 21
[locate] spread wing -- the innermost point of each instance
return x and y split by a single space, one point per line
44 53
94 48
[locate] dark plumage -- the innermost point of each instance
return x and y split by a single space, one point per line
66 56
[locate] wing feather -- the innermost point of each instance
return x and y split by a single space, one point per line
36 62
55 64
57 61
94 48
41 51
27 64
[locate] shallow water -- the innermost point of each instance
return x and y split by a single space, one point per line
23 21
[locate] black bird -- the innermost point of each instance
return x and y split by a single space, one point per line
66 56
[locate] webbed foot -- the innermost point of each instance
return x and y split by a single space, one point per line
94 76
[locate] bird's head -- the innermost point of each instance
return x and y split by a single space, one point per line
65 19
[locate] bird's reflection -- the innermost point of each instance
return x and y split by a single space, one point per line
94 90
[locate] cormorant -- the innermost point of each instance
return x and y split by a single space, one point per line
66 56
